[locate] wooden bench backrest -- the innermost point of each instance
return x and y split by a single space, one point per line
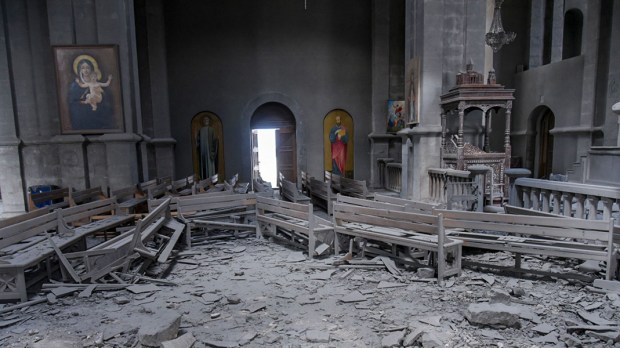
352 187
20 231
335 182
270 205
511 209
156 202
164 180
320 188
87 210
409 205
539 226
289 189
196 203
125 193
158 190
349 209
87 195
38 198
22 217
145 186
179 184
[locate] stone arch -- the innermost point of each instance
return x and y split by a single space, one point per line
540 141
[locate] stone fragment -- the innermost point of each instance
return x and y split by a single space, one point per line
432 320
413 336
589 266
322 248
426 272
255 307
571 341
247 337
232 299
388 285
121 300
500 296
544 328
140 289
51 298
220 344
163 327
496 314
325 275
612 285
317 336
594 318
491 334
394 339
549 338
605 336
430 340
297 256
209 298
184 341
63 291
517 292
354 296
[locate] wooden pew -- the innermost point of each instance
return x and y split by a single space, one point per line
59 198
119 252
80 218
305 183
289 192
217 212
409 205
353 188
321 194
87 195
389 223
538 235
204 185
289 222
130 200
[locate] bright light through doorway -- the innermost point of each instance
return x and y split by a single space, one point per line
267 163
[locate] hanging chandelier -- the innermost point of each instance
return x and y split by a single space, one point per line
497 37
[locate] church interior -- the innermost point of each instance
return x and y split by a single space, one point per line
309 173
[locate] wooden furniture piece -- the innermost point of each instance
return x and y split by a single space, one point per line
354 188
206 212
389 223
288 191
81 217
472 94
58 198
321 194
130 200
87 195
538 235
305 183
119 252
409 205
290 222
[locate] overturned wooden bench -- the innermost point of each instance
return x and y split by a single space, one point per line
390 224
288 222
118 253
536 235
223 211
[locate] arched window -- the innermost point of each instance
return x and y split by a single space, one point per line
573 28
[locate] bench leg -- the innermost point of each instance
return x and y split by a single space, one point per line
188 235
311 244
518 260
336 243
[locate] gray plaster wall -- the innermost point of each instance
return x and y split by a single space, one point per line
231 57
557 86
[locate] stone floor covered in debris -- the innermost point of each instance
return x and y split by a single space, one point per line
256 293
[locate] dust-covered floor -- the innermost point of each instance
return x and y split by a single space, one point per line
254 293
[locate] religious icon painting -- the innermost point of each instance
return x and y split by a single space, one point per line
89 89
396 119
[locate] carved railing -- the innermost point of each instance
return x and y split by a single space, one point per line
456 189
583 201
393 174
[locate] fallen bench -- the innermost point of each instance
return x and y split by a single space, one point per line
289 221
222 211
389 223
537 235
118 253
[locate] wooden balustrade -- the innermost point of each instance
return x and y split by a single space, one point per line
583 201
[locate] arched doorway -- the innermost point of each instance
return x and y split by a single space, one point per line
542 121
274 146
207 139
338 143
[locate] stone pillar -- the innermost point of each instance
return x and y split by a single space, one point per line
73 161
121 155
537 32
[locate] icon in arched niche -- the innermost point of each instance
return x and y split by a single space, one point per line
207 145
338 143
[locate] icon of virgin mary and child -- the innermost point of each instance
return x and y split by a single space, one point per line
90 107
